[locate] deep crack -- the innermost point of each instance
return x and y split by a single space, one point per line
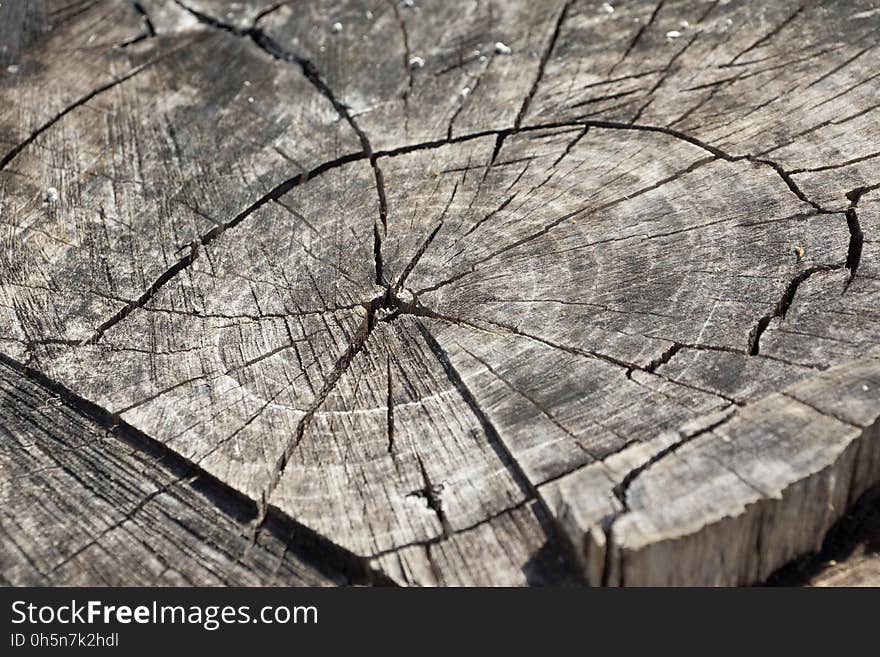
856 236
781 308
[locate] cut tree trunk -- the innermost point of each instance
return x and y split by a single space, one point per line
436 293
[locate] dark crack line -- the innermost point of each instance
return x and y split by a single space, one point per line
772 33
437 540
520 478
621 493
411 265
621 490
355 346
838 165
271 9
781 308
568 148
787 178
842 65
527 100
82 100
407 54
491 214
638 36
677 346
663 77
378 262
708 11
149 28
856 236
432 493
542 65
664 358
466 94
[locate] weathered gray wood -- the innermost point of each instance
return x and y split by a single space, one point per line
728 501
443 281
103 512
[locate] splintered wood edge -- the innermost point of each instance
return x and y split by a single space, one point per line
688 509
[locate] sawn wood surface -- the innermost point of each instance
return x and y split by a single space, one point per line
527 292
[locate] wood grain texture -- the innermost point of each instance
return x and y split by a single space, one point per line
103 510
848 556
455 293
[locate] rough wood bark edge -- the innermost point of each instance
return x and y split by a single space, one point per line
730 535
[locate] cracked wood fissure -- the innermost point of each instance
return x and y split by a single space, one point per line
460 293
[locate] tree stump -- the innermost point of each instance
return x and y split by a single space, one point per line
435 293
